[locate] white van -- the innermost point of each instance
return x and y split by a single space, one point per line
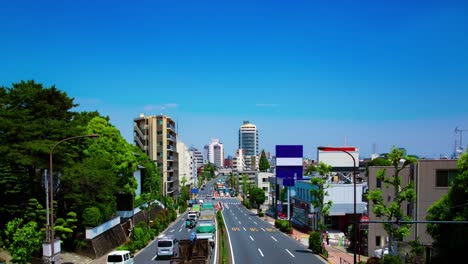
167 246
119 257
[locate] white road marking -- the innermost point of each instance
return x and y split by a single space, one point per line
255 223
290 253
154 257
236 217
251 238
244 229
250 218
182 225
240 223
261 253
172 230
180 230
263 229
227 206
274 239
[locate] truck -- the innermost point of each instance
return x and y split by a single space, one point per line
206 227
193 252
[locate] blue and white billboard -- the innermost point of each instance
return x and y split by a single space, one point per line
289 163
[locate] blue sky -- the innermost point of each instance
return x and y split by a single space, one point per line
305 72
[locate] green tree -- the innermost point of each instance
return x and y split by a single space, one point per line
319 192
34 212
392 211
450 239
91 217
257 197
65 228
264 164
23 241
377 162
32 119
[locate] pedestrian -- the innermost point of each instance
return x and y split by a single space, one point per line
328 238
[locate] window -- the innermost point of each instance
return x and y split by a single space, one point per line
377 241
444 178
379 183
264 180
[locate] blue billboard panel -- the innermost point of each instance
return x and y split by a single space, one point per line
289 163
194 190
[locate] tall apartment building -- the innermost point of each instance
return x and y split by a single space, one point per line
156 136
431 179
248 141
215 153
198 157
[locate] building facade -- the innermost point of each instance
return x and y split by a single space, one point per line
156 136
238 162
186 165
432 181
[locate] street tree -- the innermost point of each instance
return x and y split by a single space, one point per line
264 164
392 211
450 240
257 197
318 192
245 185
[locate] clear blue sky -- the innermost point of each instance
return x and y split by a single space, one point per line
305 72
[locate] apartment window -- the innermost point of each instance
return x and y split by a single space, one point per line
265 189
160 122
444 178
379 183
378 241
159 132
264 180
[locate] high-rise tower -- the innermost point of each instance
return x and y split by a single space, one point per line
248 141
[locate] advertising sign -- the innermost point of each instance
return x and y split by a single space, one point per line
289 163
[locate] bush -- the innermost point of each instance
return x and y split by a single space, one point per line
315 242
91 217
247 204
390 259
261 214
373 260
283 226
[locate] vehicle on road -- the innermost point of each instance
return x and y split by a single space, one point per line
167 246
197 251
119 257
190 223
206 230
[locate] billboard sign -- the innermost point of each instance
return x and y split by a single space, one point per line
337 156
289 163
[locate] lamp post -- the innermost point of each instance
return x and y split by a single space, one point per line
51 191
355 224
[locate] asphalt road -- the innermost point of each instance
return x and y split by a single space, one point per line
256 241
177 229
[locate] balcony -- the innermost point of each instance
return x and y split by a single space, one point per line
170 190
139 143
171 127
171 179
171 137
170 158
171 148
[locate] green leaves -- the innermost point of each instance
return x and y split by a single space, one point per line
23 241
264 164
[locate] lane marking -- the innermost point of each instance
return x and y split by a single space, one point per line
180 230
251 238
290 253
244 229
182 225
240 223
172 230
274 239
250 218
261 253
255 222
263 229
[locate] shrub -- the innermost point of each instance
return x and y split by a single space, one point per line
315 242
390 259
91 217
373 260
283 226
261 214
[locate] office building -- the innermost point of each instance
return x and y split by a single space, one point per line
215 153
248 141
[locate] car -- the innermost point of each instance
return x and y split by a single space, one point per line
379 253
119 257
167 246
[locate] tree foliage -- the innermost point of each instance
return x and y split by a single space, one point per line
23 241
450 239
319 192
245 185
257 196
264 164
392 210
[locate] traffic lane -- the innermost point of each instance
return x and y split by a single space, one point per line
177 229
276 245
243 250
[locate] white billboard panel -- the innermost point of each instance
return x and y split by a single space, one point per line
335 156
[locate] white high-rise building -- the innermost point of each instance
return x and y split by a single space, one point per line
248 141
238 162
215 153
185 164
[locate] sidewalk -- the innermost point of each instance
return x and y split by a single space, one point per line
336 254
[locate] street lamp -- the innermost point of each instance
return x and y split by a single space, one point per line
51 191
354 183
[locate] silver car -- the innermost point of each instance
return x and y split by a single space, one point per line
167 246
